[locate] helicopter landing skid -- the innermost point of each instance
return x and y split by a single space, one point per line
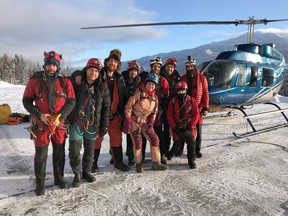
263 130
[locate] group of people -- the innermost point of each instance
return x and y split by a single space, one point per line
146 106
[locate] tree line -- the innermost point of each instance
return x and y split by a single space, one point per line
16 70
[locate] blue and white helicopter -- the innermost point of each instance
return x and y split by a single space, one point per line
251 74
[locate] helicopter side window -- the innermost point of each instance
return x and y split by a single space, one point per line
254 76
219 73
268 77
241 78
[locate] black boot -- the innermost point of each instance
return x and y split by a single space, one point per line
139 168
87 160
58 158
198 141
177 145
40 168
191 152
118 159
75 161
76 181
88 177
94 168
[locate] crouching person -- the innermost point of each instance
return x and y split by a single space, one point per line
140 112
182 116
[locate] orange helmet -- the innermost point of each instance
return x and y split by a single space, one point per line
181 85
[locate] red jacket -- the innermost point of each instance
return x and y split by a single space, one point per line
189 112
60 100
199 90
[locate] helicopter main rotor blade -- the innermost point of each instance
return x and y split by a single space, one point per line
165 23
250 21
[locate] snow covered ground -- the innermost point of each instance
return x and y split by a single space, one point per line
246 176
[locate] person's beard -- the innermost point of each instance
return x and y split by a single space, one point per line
191 72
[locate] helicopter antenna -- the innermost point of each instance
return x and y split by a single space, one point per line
251 22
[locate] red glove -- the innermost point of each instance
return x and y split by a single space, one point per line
127 126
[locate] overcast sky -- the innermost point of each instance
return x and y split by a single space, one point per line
30 27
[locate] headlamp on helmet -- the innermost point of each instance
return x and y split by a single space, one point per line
52 57
94 62
156 60
152 77
172 61
134 65
190 60
181 85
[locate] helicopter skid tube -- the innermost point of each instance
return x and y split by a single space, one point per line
263 130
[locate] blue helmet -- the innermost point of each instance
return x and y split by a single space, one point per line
153 77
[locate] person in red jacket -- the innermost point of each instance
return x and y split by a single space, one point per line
116 85
49 98
198 89
182 116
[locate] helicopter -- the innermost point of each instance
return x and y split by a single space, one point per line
251 74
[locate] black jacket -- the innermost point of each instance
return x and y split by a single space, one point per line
100 95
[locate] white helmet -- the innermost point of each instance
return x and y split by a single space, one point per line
156 60
190 61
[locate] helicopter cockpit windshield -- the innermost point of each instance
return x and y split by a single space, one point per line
219 73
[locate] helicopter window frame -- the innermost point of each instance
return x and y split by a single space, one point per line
254 76
268 77
242 75
220 73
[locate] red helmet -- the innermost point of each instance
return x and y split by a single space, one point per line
52 57
181 85
94 62
134 65
172 61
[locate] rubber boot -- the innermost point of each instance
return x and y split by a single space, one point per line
129 150
118 159
40 168
144 143
191 152
198 141
139 168
76 181
58 158
177 145
163 159
75 161
87 160
94 168
159 166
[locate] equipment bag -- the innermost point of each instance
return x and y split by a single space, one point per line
5 112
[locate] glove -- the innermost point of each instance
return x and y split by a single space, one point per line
127 126
178 132
149 126
187 132
54 122
204 111
102 132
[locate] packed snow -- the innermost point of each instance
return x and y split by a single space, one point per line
246 176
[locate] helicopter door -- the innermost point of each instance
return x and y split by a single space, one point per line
251 87
239 89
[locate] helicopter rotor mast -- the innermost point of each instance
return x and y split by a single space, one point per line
251 22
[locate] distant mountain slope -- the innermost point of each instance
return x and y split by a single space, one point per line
210 51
